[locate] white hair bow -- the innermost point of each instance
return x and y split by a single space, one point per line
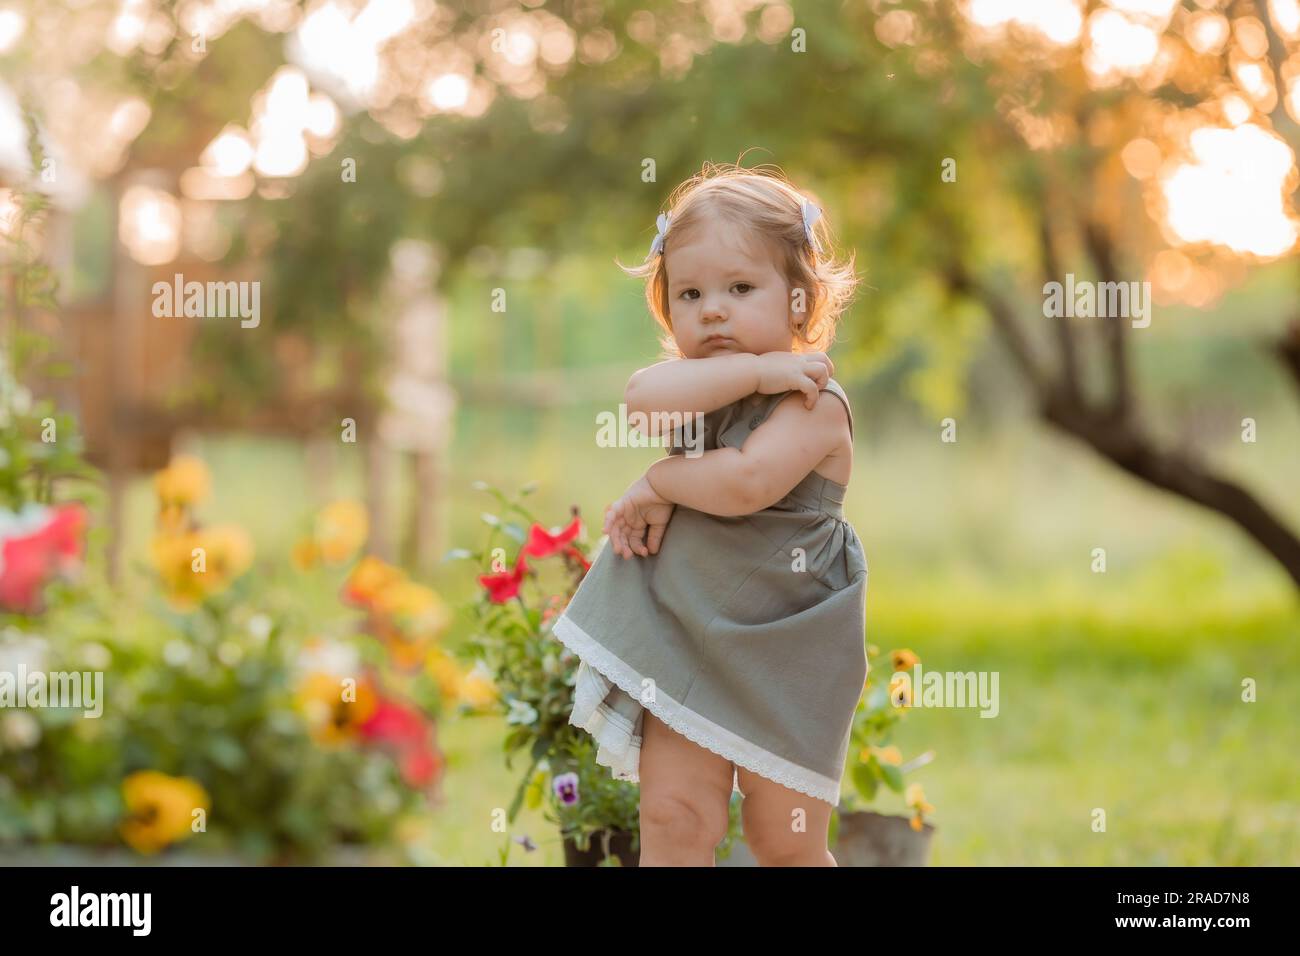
657 245
811 213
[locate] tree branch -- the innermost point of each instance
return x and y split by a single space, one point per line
1287 348
1133 450
1065 341
1102 253
1004 319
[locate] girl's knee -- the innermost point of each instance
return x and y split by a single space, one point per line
774 847
777 840
684 821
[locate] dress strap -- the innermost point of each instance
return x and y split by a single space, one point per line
837 390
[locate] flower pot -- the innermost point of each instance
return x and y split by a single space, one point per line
873 839
619 843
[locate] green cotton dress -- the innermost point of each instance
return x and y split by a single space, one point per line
745 634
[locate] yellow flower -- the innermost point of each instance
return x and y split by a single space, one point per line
904 660
914 797
405 652
341 529
900 692
173 558
443 669
198 563
368 578
305 554
160 809
229 553
404 598
331 717
889 755
418 608
185 481
477 687
173 519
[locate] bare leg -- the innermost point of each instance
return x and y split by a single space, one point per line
783 827
685 798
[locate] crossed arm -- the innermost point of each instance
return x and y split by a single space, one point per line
775 457
688 386
729 481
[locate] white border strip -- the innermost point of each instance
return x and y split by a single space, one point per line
695 727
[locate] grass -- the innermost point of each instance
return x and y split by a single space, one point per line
1140 717
1119 691
1137 715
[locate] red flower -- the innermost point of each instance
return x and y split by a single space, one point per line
407 733
391 723
542 544
420 767
505 585
571 550
34 545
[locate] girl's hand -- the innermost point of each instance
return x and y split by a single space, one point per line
636 522
807 372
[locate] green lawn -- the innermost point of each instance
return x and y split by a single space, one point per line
1119 691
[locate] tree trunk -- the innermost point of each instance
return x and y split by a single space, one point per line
1114 433
1123 442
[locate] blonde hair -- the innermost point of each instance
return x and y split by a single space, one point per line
768 204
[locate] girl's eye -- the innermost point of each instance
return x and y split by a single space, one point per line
688 291
743 286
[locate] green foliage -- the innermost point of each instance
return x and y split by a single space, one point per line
878 713
39 445
534 674
209 696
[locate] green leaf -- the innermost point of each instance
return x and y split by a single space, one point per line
864 781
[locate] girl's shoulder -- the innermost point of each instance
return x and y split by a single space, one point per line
832 386
836 389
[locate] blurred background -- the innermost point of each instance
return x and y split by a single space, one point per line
230 515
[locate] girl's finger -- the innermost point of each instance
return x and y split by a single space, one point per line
810 390
820 375
655 536
614 532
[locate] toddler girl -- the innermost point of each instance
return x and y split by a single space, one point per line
721 628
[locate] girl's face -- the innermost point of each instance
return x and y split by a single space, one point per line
723 299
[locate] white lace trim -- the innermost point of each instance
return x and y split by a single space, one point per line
693 726
620 745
